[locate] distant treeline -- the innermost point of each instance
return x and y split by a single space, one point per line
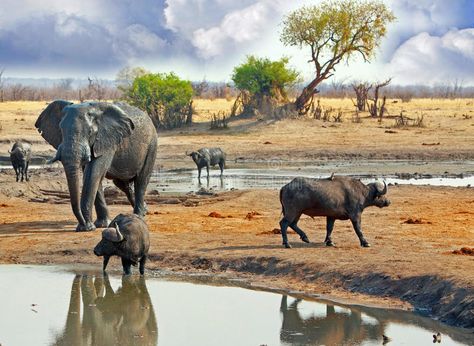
15 89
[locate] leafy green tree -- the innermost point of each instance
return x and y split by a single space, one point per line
334 31
262 77
164 96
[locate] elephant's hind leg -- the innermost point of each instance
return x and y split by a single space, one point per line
126 188
101 208
142 180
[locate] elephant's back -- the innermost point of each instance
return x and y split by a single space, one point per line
141 120
137 149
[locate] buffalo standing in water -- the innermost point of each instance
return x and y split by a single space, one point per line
206 157
127 237
340 198
20 157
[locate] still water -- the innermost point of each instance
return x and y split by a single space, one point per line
183 181
41 305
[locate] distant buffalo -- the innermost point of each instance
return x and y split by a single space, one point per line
206 157
20 156
337 198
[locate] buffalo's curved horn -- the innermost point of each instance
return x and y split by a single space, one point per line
187 154
381 188
119 234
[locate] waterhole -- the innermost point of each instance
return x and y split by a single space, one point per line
45 305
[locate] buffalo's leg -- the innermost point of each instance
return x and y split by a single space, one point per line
142 265
300 232
26 171
329 227
199 174
356 222
22 169
126 188
106 261
17 173
207 169
126 264
101 208
221 166
284 226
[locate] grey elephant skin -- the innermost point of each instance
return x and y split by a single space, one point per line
206 157
20 156
116 141
128 238
336 198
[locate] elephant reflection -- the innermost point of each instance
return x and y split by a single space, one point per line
332 329
124 317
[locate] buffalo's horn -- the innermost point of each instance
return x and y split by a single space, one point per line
187 154
110 234
381 189
119 234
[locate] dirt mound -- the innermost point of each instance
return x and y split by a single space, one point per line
272 232
468 251
216 215
252 215
417 221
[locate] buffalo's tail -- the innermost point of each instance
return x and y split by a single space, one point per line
281 202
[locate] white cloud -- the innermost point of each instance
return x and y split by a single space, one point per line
237 27
435 59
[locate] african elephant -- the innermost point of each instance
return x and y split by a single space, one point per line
116 140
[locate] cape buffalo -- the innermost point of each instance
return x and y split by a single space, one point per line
340 198
206 157
20 157
127 237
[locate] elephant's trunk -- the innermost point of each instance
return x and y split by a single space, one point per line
72 171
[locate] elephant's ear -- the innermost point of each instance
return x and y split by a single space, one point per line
48 122
113 126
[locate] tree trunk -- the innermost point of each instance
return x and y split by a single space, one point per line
302 103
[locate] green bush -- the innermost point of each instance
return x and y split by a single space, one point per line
263 77
164 96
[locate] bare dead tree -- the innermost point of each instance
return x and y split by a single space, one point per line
96 88
200 88
377 109
17 91
2 96
339 87
361 90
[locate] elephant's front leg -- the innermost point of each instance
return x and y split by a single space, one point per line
101 209
93 175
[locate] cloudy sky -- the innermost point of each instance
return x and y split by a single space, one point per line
431 42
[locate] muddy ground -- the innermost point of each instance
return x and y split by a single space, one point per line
415 260
411 262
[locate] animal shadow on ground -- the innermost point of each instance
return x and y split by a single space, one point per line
295 245
42 227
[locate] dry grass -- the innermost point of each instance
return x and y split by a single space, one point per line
445 121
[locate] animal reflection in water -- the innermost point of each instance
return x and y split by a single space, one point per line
124 317
333 329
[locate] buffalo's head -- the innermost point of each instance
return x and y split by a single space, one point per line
378 194
111 237
195 155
